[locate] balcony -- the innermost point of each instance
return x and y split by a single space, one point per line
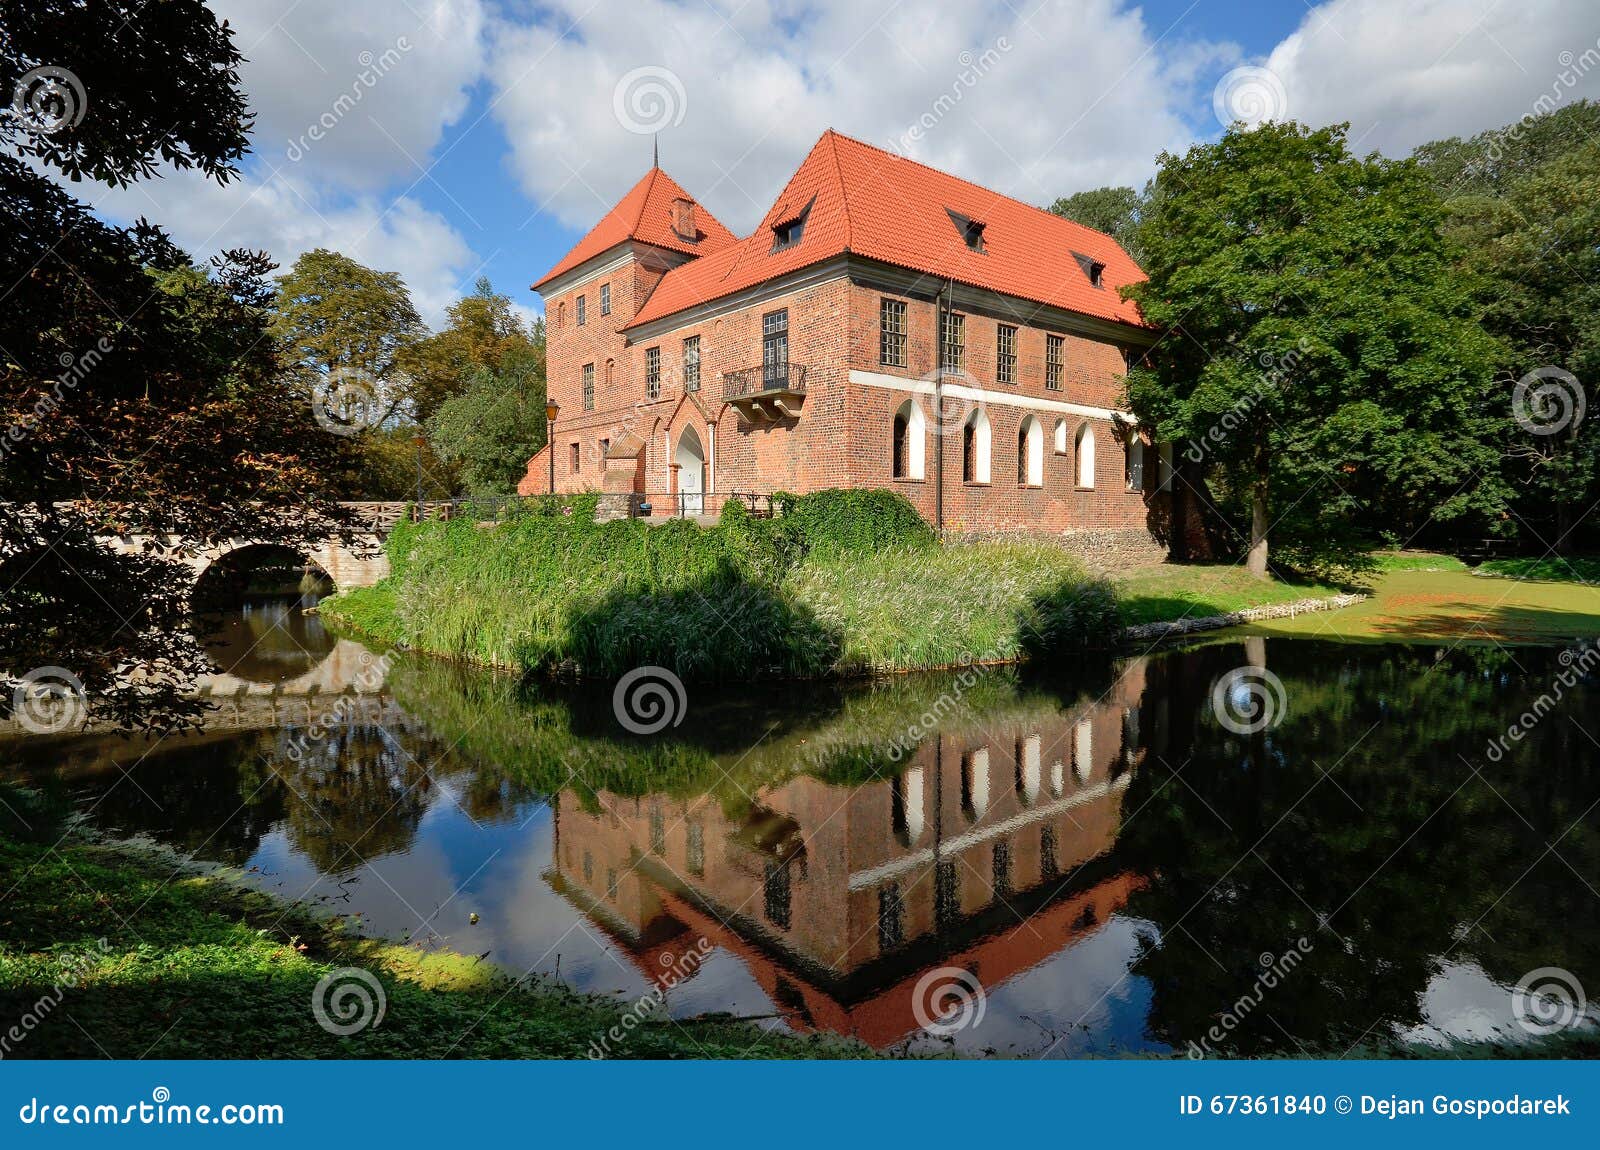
767 392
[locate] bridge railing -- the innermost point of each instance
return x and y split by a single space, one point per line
383 515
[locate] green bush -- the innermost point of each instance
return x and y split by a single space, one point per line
850 521
1069 617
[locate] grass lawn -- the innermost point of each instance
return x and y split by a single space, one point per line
548 596
1388 561
1552 570
1190 591
1439 605
199 967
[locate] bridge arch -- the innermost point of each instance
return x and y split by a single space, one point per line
233 566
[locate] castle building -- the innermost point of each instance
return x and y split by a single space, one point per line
885 325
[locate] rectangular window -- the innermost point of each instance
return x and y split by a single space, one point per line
577 458
946 894
953 344
691 363
776 895
695 851
1054 356
1002 868
775 349
581 314
891 917
588 387
892 333
652 373
605 299
1005 354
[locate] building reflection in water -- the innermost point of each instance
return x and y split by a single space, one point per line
987 852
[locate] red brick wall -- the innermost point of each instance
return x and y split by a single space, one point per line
1091 377
842 436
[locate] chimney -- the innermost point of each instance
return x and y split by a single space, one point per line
683 219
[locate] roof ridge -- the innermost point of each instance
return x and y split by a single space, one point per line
1046 212
844 192
644 200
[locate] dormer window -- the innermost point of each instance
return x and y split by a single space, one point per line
789 230
683 221
1094 269
971 230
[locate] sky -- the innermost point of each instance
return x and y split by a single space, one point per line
452 139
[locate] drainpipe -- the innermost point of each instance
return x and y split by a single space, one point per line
940 431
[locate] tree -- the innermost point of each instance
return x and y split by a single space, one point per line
348 328
1115 211
483 333
1524 211
140 393
1490 162
493 427
386 468
1320 354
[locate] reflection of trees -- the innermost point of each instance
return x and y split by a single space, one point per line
357 795
205 798
1401 845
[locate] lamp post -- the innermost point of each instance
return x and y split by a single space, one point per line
419 441
551 410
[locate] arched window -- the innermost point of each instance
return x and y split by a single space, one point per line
1085 456
1030 453
561 315
1135 462
1028 769
910 444
1083 749
1061 437
975 784
975 448
907 814
611 373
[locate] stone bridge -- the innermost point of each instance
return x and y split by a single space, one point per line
359 566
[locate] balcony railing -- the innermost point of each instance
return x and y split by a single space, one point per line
784 377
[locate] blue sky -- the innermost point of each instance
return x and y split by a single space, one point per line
450 138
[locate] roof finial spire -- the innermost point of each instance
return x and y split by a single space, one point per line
655 153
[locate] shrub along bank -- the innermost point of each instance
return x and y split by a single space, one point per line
843 582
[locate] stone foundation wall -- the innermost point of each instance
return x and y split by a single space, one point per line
1103 551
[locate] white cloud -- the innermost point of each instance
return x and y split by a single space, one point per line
377 80
287 216
351 100
1403 74
1036 101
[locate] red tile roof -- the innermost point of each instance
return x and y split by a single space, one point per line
875 204
645 214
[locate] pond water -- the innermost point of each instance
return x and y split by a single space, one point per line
1104 863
